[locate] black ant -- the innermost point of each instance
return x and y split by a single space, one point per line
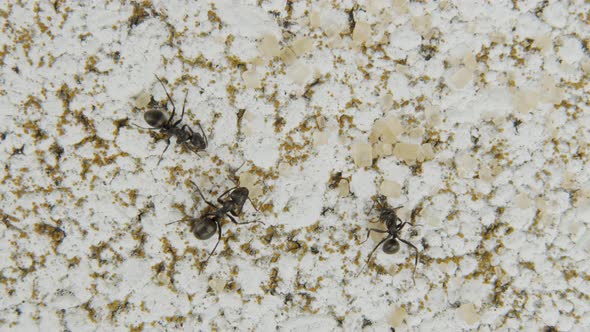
232 201
394 224
184 134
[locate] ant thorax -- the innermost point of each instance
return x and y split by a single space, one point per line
389 217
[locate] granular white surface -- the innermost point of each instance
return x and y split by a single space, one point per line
499 89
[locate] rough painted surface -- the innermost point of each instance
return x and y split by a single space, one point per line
489 145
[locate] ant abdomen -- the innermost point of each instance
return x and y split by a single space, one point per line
391 246
155 118
204 228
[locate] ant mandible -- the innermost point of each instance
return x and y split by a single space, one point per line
394 225
184 134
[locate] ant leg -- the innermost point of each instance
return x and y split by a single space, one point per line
371 254
162 155
254 206
225 193
190 130
144 127
234 172
169 98
216 244
400 226
374 230
203 197
183 128
204 136
244 222
371 209
415 260
181 114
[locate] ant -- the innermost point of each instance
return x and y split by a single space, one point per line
232 201
184 134
394 224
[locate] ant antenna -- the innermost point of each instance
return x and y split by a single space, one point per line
174 222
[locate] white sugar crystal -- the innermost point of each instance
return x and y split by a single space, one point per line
386 101
377 150
386 149
387 129
299 73
497 37
362 32
257 61
217 284
543 43
375 236
401 6
550 93
269 46
142 99
422 24
465 165
320 122
256 191
525 100
390 189
428 151
461 78
163 278
522 201
407 152
288 56
336 42
320 138
315 19
302 45
343 188
381 149
433 117
469 61
397 316
362 154
332 30
284 169
582 197
249 181
541 204
432 217
416 133
251 79
468 313
375 6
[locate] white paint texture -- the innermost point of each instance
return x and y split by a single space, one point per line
498 89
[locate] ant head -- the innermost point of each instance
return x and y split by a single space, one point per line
155 118
390 246
381 201
240 194
205 227
198 142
